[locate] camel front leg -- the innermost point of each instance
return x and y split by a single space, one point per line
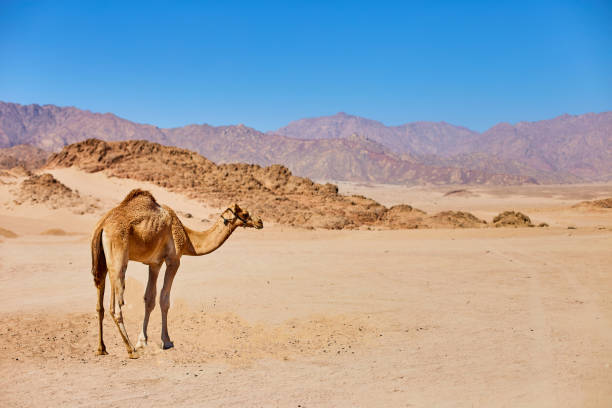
164 302
149 301
118 288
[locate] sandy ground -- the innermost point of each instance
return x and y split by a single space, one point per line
294 318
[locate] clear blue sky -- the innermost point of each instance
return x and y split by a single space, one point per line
267 63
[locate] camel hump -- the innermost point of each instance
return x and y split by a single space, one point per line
138 193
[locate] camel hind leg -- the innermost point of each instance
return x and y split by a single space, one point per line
116 260
100 308
118 288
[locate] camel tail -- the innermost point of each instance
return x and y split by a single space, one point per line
98 260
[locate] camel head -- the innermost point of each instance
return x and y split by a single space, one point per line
238 217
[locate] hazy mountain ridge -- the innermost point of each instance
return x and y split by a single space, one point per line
50 127
489 163
568 148
580 145
418 138
352 158
329 148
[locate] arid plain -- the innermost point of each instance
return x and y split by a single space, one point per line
292 317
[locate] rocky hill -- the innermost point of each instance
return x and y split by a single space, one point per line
605 203
44 189
26 156
272 192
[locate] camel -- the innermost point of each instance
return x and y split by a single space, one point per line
139 229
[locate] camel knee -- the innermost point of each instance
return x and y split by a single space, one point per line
120 300
117 315
100 310
119 295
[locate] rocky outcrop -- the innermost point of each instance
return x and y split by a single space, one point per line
26 156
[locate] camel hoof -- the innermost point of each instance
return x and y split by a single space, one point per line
167 346
134 355
101 353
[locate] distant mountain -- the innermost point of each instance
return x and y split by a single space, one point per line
419 138
563 149
51 127
353 158
489 163
346 147
578 145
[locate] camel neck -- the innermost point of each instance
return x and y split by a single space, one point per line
205 242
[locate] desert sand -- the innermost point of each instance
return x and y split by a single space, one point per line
291 317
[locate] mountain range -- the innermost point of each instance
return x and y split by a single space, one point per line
345 147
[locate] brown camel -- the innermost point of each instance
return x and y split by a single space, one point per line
139 229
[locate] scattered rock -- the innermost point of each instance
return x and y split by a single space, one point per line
512 219
455 219
403 216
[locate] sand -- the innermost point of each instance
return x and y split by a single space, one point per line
296 318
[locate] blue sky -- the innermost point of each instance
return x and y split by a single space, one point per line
264 64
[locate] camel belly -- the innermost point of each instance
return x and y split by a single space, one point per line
151 249
146 253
